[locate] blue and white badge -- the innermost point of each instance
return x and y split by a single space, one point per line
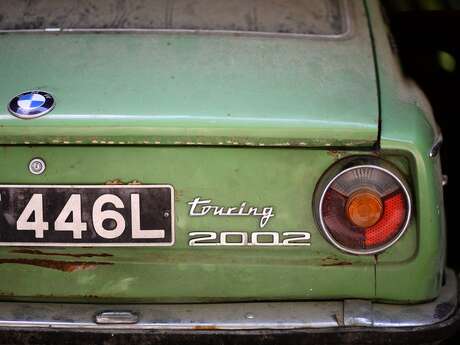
31 104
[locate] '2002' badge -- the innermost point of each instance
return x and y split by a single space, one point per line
31 104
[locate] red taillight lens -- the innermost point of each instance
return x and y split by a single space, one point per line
364 209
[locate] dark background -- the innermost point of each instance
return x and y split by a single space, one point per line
427 35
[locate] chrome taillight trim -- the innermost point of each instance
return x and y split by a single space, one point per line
338 170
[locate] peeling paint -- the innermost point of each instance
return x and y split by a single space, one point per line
39 252
337 155
118 181
114 182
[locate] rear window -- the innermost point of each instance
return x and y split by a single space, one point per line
307 17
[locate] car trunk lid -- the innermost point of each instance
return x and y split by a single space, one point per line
203 89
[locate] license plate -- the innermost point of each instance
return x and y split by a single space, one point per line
87 216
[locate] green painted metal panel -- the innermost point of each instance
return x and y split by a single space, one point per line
282 178
202 89
176 89
409 129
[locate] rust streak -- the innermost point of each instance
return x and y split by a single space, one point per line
64 266
39 252
205 328
338 263
334 261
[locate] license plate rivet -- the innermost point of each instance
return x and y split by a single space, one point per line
166 214
37 166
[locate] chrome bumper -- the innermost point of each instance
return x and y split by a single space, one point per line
234 316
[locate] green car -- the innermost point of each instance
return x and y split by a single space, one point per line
213 171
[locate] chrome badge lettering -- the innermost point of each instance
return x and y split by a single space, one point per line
203 207
254 239
200 208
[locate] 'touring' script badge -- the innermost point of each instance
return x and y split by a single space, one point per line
202 207
199 208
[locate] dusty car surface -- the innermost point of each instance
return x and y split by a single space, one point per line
192 168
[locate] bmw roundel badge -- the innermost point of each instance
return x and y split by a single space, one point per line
31 104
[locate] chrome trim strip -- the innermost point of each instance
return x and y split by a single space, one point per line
347 16
176 317
231 316
357 313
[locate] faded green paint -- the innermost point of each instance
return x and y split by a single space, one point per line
282 178
220 90
409 129
155 88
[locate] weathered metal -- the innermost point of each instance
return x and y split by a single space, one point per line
235 316
194 89
408 129
226 175
239 120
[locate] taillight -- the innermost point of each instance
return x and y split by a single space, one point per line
362 205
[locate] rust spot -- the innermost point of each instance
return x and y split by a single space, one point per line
178 194
333 261
336 154
205 328
39 252
118 181
64 266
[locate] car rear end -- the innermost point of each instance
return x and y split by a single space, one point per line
229 176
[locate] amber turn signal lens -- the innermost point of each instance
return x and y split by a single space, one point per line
364 208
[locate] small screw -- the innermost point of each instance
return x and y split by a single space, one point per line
37 166
166 214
